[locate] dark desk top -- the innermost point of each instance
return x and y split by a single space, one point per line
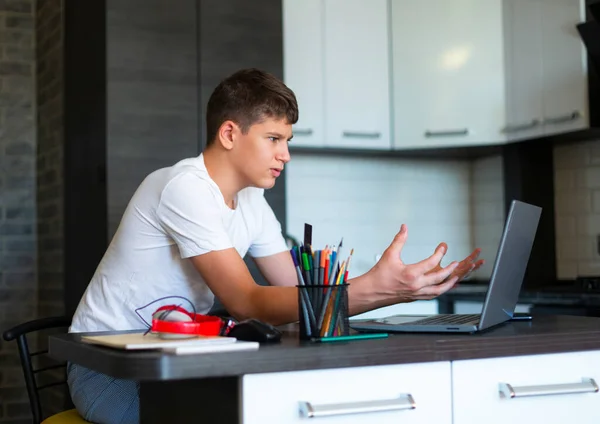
545 334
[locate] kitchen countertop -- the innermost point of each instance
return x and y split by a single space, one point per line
566 295
544 334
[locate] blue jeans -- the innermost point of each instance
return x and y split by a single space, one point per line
102 399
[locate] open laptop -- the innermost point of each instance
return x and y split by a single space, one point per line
503 291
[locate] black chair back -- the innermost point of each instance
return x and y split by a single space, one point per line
20 333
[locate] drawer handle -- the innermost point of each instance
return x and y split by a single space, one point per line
354 134
309 410
522 127
306 131
573 116
587 385
449 133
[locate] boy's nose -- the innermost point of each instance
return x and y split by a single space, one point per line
284 154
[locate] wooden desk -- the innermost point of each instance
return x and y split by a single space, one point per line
209 387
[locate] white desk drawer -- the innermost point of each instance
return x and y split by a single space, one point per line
380 394
547 389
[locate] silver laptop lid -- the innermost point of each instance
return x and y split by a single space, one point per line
510 264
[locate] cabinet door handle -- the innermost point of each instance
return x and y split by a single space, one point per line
309 410
447 133
522 127
307 131
573 116
355 134
587 385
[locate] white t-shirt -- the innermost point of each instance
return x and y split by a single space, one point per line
176 213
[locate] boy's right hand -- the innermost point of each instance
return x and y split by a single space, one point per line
393 281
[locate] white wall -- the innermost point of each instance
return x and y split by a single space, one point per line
365 200
487 204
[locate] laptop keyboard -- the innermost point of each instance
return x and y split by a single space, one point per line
452 319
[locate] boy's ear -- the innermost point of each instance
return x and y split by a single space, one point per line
227 134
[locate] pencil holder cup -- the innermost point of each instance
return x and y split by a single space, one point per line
323 311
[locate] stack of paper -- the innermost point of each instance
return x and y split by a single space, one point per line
229 347
199 344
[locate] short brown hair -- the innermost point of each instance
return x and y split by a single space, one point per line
248 97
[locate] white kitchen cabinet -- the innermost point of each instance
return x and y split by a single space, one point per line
357 89
547 68
546 388
336 60
303 67
523 37
565 91
467 72
549 389
448 72
405 74
411 394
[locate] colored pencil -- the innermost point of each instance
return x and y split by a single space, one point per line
331 281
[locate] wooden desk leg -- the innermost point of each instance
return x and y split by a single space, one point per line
209 400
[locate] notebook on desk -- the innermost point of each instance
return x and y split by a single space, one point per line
136 341
503 291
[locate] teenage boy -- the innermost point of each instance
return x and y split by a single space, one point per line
188 226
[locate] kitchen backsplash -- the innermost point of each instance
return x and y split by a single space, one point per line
487 210
365 200
577 206
576 202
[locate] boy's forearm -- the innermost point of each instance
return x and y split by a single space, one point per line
362 296
279 305
274 304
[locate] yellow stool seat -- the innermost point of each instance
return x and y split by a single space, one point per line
67 417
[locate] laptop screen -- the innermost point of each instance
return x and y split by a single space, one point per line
511 263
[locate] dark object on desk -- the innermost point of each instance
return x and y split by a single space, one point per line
521 316
253 330
588 283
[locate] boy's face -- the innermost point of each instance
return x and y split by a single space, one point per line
261 153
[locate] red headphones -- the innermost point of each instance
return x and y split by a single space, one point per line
172 321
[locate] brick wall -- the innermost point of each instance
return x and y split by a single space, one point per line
50 157
50 198
17 199
576 203
577 206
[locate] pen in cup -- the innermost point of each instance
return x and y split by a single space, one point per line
315 267
322 279
307 278
307 310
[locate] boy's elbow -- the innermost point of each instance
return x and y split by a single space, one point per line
241 314
246 306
